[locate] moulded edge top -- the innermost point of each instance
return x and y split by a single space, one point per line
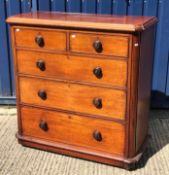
86 21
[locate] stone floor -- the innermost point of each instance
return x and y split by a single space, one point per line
18 160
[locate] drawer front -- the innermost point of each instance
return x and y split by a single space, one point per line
37 38
94 134
86 99
111 72
99 44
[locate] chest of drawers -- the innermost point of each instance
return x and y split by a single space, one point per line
83 84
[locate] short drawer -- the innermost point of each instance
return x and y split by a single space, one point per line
75 68
95 134
37 38
73 97
99 44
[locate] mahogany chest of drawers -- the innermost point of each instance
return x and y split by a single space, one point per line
83 84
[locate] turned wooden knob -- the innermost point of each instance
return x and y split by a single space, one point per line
97 102
97 136
39 40
41 65
43 125
98 46
98 72
42 94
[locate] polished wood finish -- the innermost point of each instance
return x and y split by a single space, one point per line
81 152
75 68
85 43
144 85
85 21
65 128
83 84
73 97
52 39
133 73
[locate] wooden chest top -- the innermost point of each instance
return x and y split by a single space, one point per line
104 22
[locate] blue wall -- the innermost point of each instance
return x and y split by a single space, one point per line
157 8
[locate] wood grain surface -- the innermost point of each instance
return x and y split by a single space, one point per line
75 130
112 45
53 39
76 68
73 97
144 93
88 21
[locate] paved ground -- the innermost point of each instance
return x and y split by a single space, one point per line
18 160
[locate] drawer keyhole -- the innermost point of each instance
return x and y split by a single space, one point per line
98 46
97 136
41 65
42 94
98 72
39 40
43 125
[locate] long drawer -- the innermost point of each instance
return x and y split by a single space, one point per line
95 134
73 97
38 38
84 69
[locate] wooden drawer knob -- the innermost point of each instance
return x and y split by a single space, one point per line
97 102
98 46
97 136
41 65
39 40
42 94
98 72
43 125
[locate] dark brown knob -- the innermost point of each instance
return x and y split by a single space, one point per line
98 72
97 136
98 46
39 40
43 125
97 102
41 65
42 94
